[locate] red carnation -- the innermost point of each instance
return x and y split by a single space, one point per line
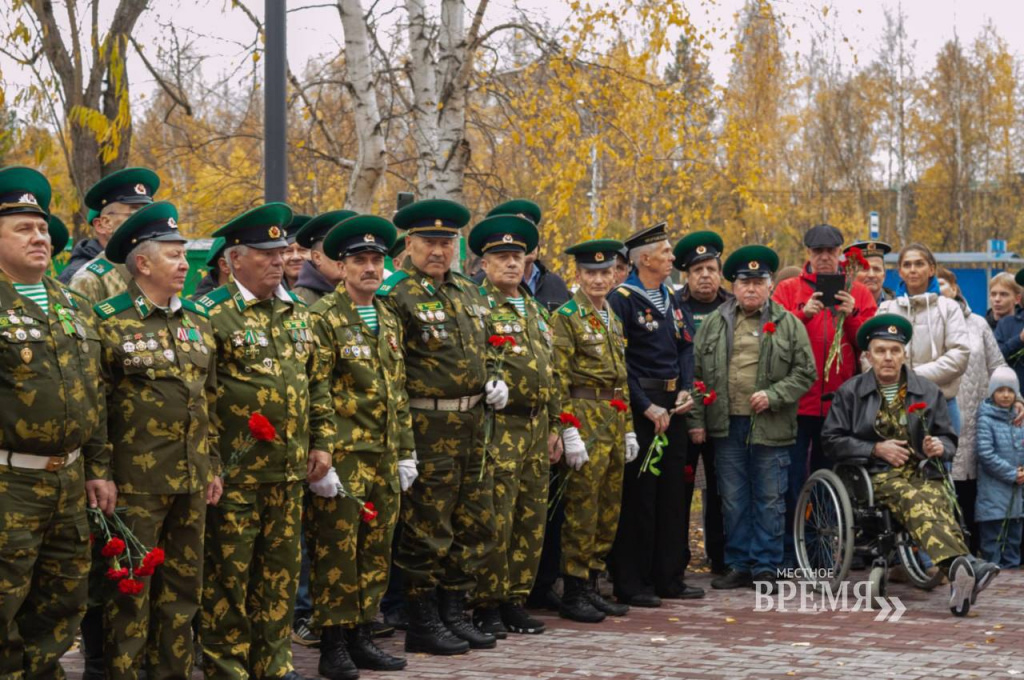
769 327
145 569
496 340
367 513
710 397
117 574
688 474
261 429
114 547
619 405
700 386
569 420
919 406
509 340
154 558
130 586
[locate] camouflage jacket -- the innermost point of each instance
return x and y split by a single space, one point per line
100 279
587 353
445 336
51 399
159 375
526 366
366 374
264 357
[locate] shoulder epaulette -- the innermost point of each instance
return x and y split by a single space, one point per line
295 298
392 281
214 298
194 308
622 290
569 308
114 305
100 267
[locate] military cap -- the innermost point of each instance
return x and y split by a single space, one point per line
823 236
520 207
1019 278
59 235
135 186
750 262
398 248
24 190
623 254
261 228
359 234
436 217
647 236
316 228
697 247
291 232
503 233
156 222
215 251
886 327
595 254
870 248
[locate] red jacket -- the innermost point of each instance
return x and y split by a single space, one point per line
793 294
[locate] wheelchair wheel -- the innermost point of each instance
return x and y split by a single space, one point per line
878 577
916 571
823 530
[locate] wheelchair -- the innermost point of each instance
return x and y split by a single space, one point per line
836 519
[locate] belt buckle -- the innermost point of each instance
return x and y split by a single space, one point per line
55 463
670 385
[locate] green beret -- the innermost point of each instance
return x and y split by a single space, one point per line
398 248
435 217
751 262
595 254
503 233
697 247
886 327
24 190
316 228
291 232
359 234
261 228
59 235
155 222
215 251
135 186
520 207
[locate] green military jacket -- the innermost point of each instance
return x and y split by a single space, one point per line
51 399
587 353
158 369
264 357
785 371
366 374
443 327
527 366
100 279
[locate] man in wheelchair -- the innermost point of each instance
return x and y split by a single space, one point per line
897 424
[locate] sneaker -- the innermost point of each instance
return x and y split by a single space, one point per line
961 586
518 620
303 635
731 580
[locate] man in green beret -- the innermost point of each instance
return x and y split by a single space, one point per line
448 514
295 255
264 346
755 357
523 432
115 198
53 427
359 344
158 371
899 423
590 374
319 274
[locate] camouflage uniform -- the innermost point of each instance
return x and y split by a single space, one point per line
264 351
50 405
100 279
591 357
448 514
518 450
350 559
156 364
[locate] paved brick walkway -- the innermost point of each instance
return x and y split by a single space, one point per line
722 637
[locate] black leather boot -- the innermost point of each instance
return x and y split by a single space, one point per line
488 620
426 633
92 644
366 654
335 663
452 606
576 604
601 604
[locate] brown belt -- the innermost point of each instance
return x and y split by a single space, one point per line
658 385
595 394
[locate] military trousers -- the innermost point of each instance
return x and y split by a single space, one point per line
593 494
251 575
448 514
158 621
922 507
350 559
44 567
519 452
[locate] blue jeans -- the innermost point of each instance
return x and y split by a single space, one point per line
990 551
954 415
752 481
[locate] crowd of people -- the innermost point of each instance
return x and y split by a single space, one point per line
314 450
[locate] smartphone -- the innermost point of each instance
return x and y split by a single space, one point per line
828 285
405 198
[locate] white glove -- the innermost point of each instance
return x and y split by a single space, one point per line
407 473
497 394
632 447
327 486
575 452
